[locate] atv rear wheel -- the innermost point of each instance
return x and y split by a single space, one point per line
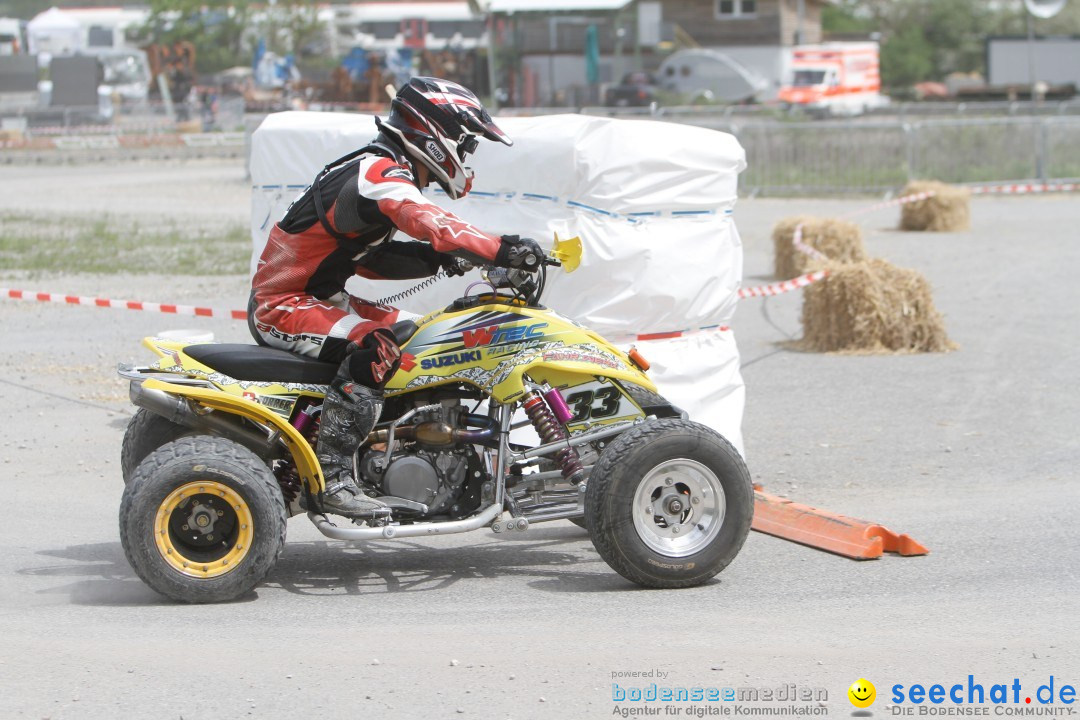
669 504
203 520
146 432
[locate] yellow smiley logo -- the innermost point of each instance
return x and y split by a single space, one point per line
862 693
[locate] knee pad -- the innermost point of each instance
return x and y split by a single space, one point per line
375 359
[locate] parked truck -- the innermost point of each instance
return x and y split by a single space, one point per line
837 78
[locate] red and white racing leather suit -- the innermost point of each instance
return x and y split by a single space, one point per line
300 303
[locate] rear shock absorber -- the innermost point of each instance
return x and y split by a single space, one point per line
550 429
307 424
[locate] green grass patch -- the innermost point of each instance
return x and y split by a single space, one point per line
115 245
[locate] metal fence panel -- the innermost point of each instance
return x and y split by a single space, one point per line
809 158
1061 148
872 157
968 151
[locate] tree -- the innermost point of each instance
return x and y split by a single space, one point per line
215 27
844 18
929 39
289 25
906 58
27 9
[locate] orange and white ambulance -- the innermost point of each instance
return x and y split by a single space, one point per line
839 78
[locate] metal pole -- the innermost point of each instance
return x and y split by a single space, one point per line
492 75
166 96
799 37
619 32
1031 54
637 38
909 151
552 43
1041 148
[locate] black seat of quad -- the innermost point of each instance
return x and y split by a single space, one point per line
256 363
262 364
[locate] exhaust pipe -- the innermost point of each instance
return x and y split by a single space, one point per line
389 532
177 410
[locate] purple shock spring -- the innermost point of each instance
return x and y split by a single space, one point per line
551 430
304 418
558 405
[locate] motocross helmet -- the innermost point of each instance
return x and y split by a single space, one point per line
438 123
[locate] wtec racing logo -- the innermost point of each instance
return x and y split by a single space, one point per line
497 336
972 699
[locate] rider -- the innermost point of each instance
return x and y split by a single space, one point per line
343 225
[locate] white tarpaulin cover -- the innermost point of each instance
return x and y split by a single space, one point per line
651 201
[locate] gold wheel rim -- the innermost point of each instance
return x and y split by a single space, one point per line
182 559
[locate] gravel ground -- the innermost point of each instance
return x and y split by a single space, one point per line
199 193
972 452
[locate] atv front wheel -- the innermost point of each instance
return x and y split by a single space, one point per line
203 520
669 504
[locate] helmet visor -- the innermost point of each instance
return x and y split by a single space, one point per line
487 127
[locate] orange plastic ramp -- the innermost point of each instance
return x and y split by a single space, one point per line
856 539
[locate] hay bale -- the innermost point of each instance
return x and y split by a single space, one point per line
872 306
949 210
839 240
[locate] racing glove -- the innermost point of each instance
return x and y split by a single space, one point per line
519 252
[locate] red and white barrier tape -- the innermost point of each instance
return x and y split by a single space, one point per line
1024 188
796 240
769 290
127 128
915 197
758 291
242 315
783 287
122 304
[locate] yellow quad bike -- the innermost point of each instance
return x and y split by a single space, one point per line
222 450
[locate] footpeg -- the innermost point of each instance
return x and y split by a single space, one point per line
400 503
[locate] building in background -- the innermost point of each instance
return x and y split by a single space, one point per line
544 42
546 52
541 49
757 34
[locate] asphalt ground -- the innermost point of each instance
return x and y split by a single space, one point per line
972 452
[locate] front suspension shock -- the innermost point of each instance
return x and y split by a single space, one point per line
551 430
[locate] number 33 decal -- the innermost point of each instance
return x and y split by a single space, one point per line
583 403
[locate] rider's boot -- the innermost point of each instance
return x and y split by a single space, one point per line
349 413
